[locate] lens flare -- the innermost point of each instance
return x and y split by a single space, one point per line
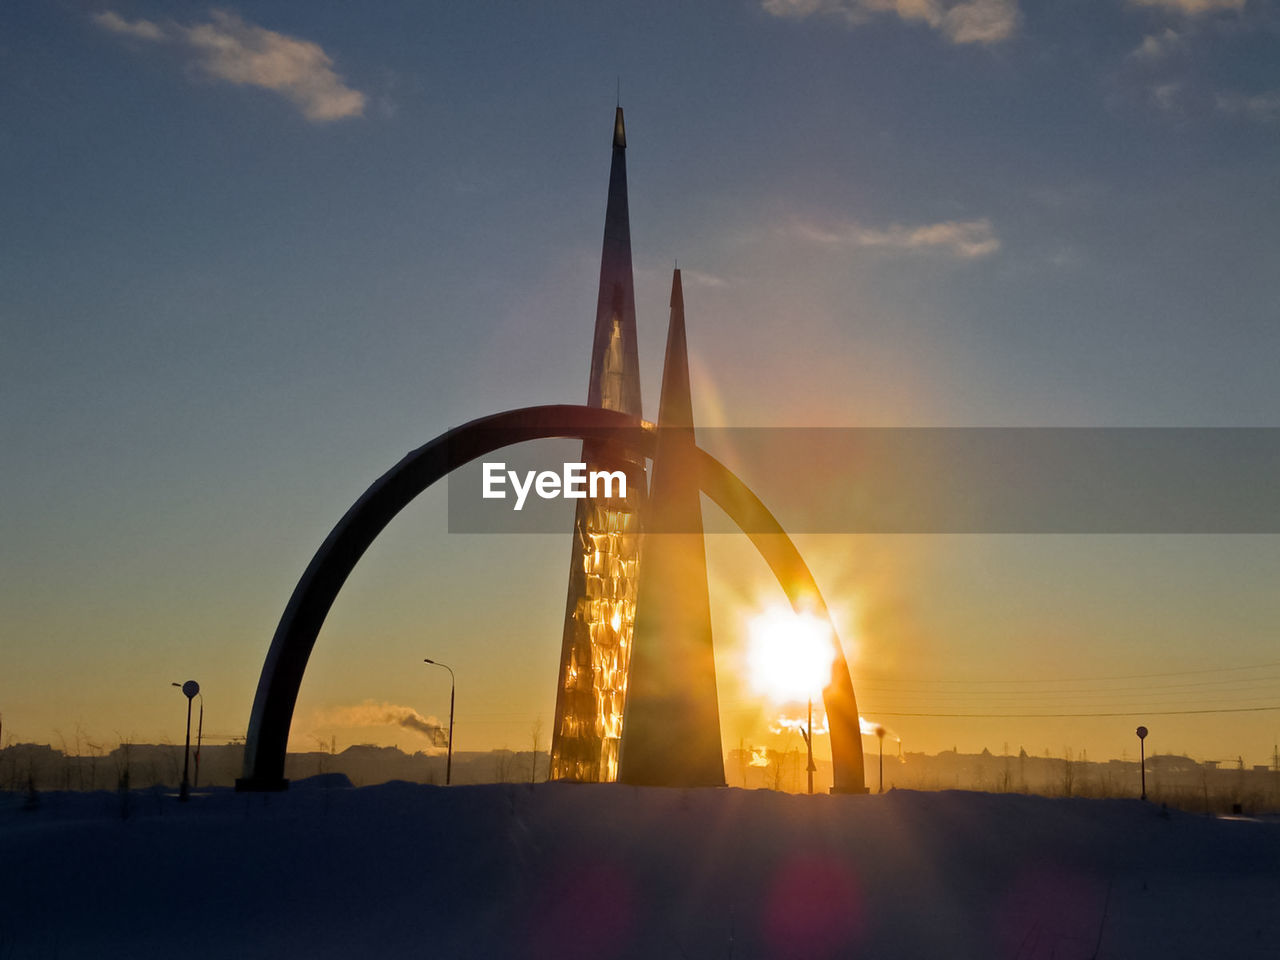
789 655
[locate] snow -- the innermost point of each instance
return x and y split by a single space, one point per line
564 871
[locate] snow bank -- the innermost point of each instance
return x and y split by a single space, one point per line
563 871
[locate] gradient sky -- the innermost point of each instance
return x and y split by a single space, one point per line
249 256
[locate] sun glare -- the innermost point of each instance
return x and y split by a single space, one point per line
789 655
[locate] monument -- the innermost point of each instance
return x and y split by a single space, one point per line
636 696
672 732
600 610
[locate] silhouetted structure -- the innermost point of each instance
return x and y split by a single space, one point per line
672 732
676 735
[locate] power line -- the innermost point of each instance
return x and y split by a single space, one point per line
1050 705
1127 676
1028 716
1080 698
1146 688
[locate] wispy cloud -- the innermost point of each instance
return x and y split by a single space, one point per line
373 714
696 278
1192 7
690 278
231 49
1264 107
142 29
963 239
960 21
1158 46
1165 95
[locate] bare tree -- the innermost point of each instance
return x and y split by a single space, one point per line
66 761
503 762
776 760
533 757
326 747
124 763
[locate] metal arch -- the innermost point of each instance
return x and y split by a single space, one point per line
735 498
268 734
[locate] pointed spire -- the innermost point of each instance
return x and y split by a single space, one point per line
615 359
596 640
675 408
671 733
619 131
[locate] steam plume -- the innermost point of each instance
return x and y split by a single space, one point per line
371 714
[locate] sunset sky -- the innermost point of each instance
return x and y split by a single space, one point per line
251 255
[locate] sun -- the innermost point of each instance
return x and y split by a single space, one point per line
789 654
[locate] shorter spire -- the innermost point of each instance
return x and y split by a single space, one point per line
619 130
675 405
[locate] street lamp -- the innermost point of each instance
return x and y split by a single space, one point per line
1142 753
448 765
807 733
880 736
189 690
195 779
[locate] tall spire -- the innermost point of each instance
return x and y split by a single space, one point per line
671 734
615 361
600 607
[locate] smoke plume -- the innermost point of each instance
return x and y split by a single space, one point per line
371 714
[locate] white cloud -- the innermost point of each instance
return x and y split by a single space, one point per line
960 21
1157 46
142 29
1192 7
981 21
964 239
1264 107
1165 95
231 49
239 52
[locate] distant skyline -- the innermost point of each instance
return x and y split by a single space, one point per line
252 255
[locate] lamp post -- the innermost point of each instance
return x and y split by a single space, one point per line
1142 753
448 764
189 690
195 779
880 737
807 733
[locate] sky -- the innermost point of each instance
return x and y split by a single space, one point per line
251 255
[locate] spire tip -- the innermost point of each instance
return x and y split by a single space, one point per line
619 129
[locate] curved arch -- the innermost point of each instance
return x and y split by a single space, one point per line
268 734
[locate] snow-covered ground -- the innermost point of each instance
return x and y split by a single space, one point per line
561 871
